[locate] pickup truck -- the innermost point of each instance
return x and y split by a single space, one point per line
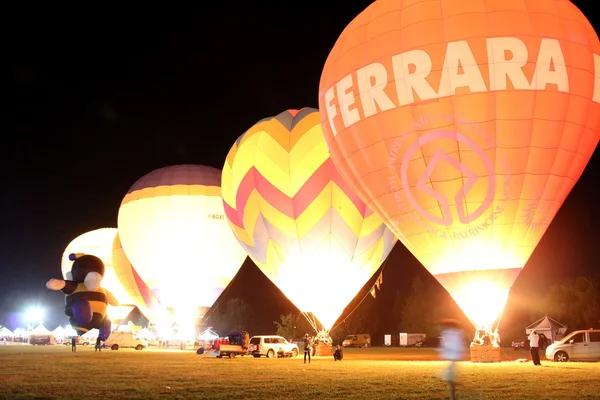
238 345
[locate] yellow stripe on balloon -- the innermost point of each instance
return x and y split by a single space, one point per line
171 190
349 213
227 191
314 212
275 217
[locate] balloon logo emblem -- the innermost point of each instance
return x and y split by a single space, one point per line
470 178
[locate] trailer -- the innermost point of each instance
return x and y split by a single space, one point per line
41 339
411 339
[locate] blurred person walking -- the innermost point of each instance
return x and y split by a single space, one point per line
452 348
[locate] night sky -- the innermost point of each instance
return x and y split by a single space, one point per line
99 98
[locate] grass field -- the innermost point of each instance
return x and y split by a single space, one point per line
53 372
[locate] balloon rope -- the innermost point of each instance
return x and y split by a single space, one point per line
311 321
363 299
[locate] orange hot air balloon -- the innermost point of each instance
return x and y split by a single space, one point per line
464 124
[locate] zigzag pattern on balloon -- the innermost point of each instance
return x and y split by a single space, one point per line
292 197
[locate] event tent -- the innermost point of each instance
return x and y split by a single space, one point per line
551 328
5 332
40 330
208 335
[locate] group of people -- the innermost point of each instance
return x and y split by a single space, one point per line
487 338
309 344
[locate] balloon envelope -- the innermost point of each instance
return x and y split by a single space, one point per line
297 219
173 231
137 290
464 124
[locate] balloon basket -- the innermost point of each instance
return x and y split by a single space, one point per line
323 350
486 353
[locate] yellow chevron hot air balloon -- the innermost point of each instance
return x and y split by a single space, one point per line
297 219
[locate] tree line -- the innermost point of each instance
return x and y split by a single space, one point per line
575 303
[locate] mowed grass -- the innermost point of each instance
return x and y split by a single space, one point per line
53 372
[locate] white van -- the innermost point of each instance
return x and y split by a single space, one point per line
118 339
581 345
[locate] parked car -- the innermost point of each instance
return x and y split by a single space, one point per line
524 344
79 341
271 346
358 340
117 340
581 345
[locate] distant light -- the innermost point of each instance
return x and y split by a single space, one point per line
34 315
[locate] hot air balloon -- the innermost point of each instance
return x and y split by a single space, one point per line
297 219
173 231
99 243
464 124
137 290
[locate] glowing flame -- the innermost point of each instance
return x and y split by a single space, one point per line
482 302
323 282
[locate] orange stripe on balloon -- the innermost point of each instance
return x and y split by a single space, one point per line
294 206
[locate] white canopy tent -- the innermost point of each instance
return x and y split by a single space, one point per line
208 335
69 331
90 335
551 328
146 334
40 330
59 332
5 332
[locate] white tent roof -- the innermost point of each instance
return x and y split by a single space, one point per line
146 334
5 332
208 335
546 323
40 330
59 331
91 334
69 331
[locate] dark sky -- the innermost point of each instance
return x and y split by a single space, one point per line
101 97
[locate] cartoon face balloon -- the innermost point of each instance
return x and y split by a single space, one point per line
86 301
297 219
464 124
99 243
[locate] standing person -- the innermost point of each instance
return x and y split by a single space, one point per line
452 348
534 347
73 344
338 354
496 337
307 347
98 343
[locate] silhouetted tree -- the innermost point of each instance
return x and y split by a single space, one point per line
293 326
575 303
362 319
424 307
